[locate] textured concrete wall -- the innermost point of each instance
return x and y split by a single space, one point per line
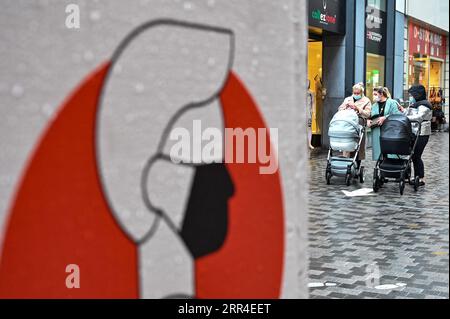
360 41
42 61
333 79
398 55
435 12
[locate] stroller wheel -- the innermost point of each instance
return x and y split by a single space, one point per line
348 179
408 174
416 183
361 174
328 177
402 186
375 181
375 185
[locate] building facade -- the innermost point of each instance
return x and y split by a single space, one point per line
380 43
426 52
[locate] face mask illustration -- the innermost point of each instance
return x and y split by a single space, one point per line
199 228
115 202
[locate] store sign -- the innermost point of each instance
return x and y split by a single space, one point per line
425 42
376 31
328 15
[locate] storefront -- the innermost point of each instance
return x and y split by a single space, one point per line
315 88
426 58
372 41
375 45
427 54
326 17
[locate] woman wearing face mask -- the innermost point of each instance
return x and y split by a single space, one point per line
362 106
383 107
420 110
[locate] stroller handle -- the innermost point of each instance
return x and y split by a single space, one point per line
420 126
362 120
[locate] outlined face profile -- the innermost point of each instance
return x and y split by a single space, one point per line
138 224
179 70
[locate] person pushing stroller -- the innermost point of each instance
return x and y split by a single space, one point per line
361 104
347 135
421 111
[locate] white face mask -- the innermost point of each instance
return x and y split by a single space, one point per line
376 98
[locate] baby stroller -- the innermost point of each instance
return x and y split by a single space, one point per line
346 134
397 142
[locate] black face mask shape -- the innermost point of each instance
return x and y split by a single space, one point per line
205 222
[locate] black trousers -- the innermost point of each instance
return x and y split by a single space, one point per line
419 169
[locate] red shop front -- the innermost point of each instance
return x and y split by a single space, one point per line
427 52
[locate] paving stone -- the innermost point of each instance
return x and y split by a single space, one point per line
406 238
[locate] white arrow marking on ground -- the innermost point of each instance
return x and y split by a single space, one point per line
390 286
359 192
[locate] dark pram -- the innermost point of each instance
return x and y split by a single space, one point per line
397 143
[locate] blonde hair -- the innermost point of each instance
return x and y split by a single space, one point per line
360 87
383 91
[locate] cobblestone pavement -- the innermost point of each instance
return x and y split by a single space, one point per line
404 239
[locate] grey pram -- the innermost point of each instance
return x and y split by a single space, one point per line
346 134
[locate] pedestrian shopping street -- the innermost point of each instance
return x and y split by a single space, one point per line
382 245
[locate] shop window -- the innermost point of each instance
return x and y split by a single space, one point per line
315 79
375 44
426 71
378 4
419 71
435 74
374 72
